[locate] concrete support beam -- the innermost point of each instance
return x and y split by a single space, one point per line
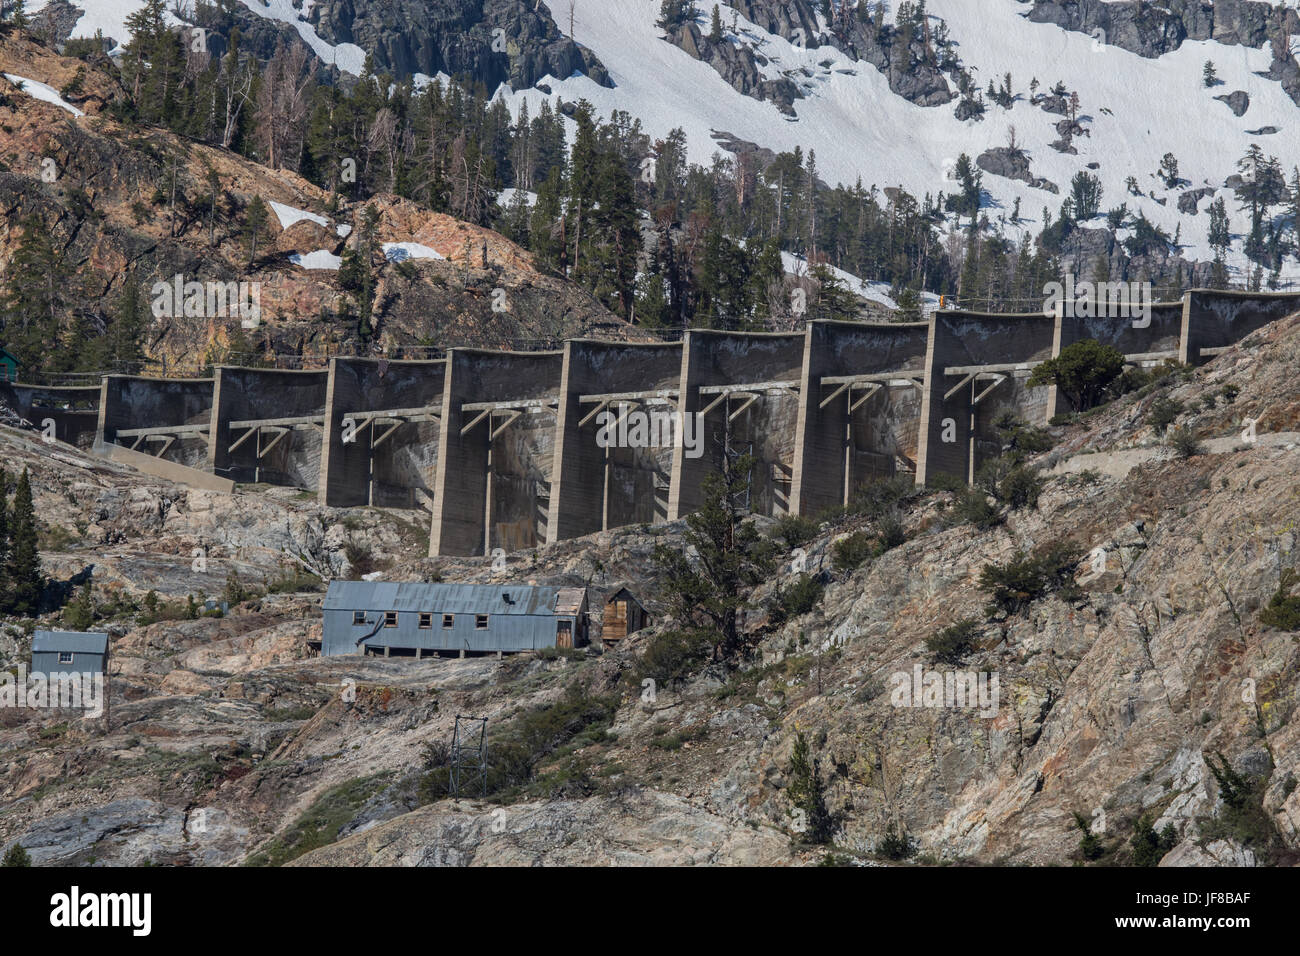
956 416
593 488
365 460
716 365
858 401
493 482
248 401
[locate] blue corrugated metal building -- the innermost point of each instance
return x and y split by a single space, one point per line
67 652
381 617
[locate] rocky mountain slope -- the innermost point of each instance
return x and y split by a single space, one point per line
135 206
1116 692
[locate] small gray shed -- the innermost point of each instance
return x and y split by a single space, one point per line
415 618
67 652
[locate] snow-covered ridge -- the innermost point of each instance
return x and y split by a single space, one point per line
1135 110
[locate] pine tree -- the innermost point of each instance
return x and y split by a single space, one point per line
23 567
1208 75
715 26
79 613
16 855
35 298
126 331
254 225
733 557
673 13
808 794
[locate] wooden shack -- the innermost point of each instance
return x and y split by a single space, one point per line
623 615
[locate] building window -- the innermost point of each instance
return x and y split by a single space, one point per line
426 620
481 621
65 657
358 617
448 621
390 619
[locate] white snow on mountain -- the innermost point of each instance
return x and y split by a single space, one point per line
871 291
401 251
346 56
318 259
1135 109
288 215
40 91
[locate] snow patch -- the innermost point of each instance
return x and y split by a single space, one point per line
319 259
39 91
288 215
401 251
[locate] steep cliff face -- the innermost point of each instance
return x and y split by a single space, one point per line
491 41
1152 30
906 59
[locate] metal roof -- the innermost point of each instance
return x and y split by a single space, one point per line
84 642
570 600
443 598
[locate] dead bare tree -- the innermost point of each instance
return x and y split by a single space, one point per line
283 101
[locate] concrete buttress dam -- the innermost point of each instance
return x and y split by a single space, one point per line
504 449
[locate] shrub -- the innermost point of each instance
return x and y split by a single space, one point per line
882 497
1243 818
795 530
953 643
1020 438
16 855
673 655
521 745
1090 846
1283 610
974 507
1130 380
1163 412
292 581
1024 579
235 591
1148 847
942 481
890 533
1083 371
360 559
1184 443
895 845
796 599
1020 488
849 552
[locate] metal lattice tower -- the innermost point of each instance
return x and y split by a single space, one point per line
468 759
